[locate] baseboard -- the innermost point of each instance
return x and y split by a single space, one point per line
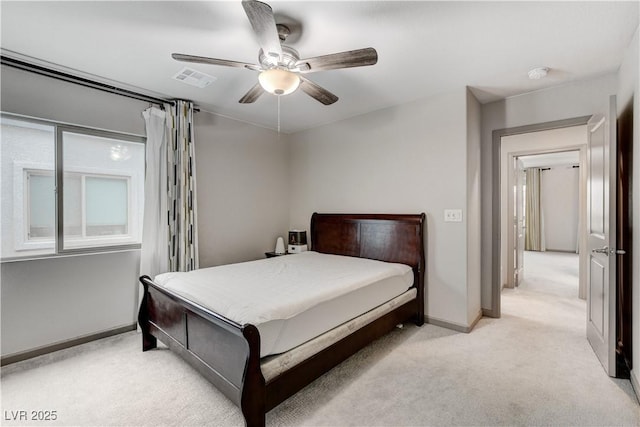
18 357
476 320
635 382
454 326
563 251
487 312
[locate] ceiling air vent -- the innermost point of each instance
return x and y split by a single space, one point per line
194 78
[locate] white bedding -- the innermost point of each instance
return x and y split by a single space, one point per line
304 288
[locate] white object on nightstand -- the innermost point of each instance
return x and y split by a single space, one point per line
279 246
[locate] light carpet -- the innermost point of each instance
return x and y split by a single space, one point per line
533 366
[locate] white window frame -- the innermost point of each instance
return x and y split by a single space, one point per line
26 226
26 242
21 208
129 236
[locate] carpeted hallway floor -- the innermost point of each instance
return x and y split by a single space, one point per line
533 366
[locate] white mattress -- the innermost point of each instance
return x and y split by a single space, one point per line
275 365
278 336
292 299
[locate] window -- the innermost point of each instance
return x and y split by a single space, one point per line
40 198
106 205
98 204
102 191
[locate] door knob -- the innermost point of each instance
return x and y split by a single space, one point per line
609 251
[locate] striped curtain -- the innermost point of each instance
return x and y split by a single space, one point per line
534 219
181 186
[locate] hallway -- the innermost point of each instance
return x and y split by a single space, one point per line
549 321
553 273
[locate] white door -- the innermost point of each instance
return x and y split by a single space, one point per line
601 240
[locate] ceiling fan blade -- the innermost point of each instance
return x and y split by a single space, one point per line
348 59
253 94
264 25
212 61
317 92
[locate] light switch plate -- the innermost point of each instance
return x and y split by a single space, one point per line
453 215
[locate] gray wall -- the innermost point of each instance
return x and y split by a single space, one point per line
406 159
42 97
243 189
49 301
559 190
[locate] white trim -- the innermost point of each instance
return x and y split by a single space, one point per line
21 207
94 251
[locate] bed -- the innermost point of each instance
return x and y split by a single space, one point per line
258 377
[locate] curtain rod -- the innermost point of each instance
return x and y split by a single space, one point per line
59 75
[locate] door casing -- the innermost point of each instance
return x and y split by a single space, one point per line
496 282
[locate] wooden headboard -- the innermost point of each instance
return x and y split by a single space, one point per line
384 237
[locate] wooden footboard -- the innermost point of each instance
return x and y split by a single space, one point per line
224 352
228 354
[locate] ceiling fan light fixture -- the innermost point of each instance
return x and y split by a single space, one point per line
279 81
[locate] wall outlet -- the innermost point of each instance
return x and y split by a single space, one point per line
453 215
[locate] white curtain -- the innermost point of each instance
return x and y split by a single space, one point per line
154 257
183 236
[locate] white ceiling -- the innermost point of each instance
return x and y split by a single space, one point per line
424 48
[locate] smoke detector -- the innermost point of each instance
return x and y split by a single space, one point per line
538 73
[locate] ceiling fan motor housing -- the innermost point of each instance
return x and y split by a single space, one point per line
288 59
283 32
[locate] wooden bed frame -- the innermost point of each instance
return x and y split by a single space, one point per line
228 354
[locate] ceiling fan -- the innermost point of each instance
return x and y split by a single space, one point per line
281 69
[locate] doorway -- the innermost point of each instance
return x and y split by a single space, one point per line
548 213
555 216
548 208
499 158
